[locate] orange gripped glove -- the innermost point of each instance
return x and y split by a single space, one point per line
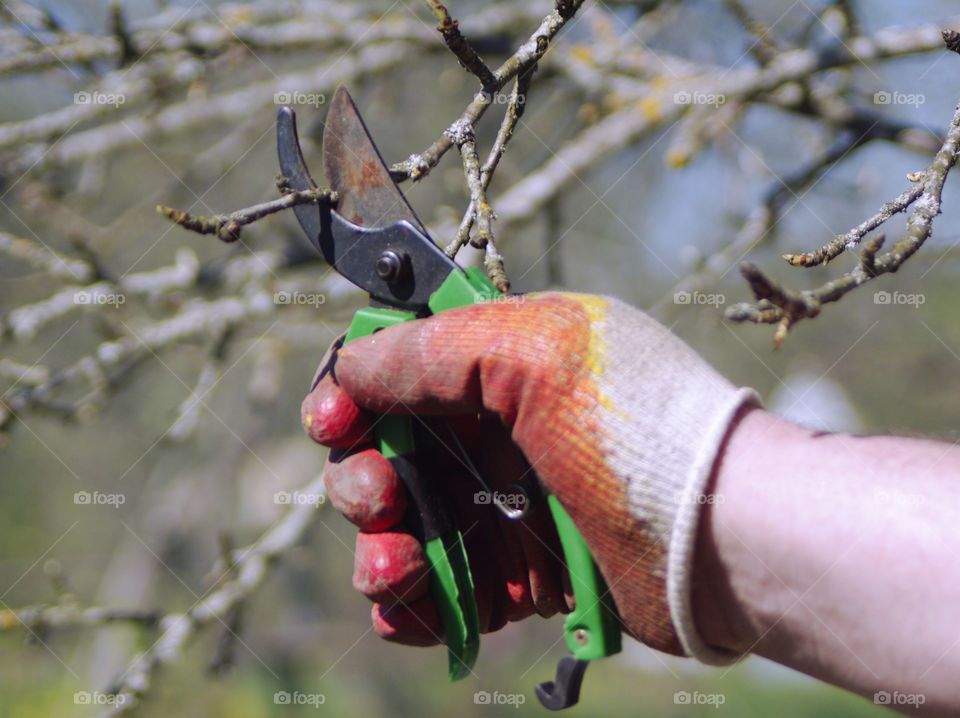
617 417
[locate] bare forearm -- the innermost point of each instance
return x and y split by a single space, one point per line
838 556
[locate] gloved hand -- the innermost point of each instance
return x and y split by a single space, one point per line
619 419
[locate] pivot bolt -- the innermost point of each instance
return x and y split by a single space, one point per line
390 266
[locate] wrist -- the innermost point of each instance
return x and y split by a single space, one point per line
720 617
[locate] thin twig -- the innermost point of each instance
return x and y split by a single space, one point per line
247 571
227 227
40 618
842 242
786 307
515 108
526 56
464 139
469 58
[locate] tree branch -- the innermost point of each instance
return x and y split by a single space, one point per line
786 307
227 227
247 571
418 165
450 30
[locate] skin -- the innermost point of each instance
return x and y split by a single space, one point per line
840 562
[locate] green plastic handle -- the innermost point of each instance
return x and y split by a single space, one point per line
451 584
592 630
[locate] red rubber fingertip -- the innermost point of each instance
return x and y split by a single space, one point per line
331 418
365 488
415 625
390 567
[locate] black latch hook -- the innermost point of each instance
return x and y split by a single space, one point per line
565 690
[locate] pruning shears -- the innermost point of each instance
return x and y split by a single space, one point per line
375 240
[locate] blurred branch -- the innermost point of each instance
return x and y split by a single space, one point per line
256 26
41 618
179 49
243 575
785 307
44 258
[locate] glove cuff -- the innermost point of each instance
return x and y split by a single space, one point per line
664 414
683 537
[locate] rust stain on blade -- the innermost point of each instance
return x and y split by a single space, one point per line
354 168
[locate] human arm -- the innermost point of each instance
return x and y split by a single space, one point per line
518 367
838 556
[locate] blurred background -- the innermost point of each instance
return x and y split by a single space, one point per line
150 427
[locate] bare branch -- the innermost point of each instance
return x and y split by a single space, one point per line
786 307
227 227
459 46
464 139
515 108
526 56
63 615
849 239
246 572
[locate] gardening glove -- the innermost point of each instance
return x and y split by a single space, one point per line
618 418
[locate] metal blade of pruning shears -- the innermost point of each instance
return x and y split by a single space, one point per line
374 239
354 168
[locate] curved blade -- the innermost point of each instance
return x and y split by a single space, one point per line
295 170
354 168
353 249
